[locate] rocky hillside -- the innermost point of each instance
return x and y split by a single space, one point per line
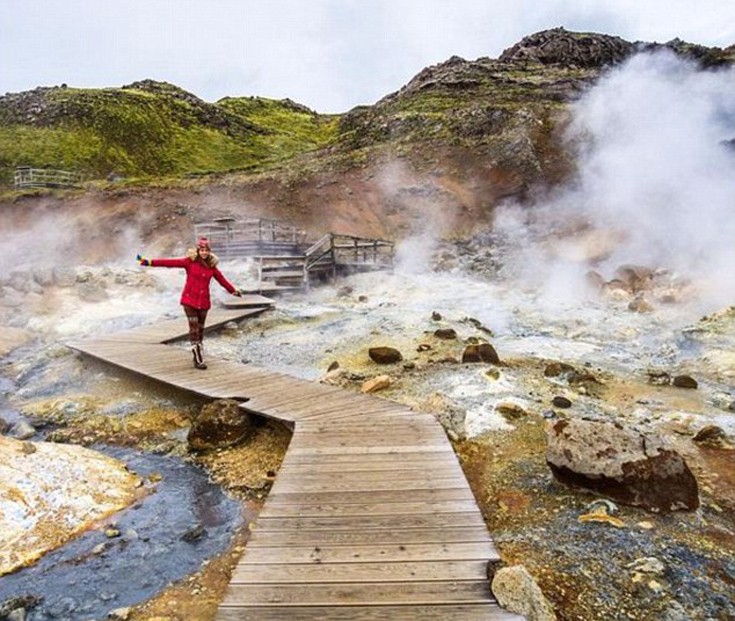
457 139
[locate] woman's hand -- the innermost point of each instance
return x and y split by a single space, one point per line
142 260
237 293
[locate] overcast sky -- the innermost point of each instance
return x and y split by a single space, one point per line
328 54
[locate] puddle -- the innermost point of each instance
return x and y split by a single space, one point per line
162 538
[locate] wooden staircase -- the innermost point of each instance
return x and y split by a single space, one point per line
285 261
331 255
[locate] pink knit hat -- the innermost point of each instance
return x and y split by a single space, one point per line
203 242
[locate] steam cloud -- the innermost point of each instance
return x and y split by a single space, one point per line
655 180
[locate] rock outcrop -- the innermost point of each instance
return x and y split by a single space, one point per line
622 463
570 49
220 424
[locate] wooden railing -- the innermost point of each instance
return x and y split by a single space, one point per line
283 258
27 177
231 238
355 251
253 229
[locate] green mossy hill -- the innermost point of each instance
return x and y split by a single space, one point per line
150 129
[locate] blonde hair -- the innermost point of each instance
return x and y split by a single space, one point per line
211 260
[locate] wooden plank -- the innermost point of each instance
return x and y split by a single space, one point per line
368 438
321 572
378 450
404 508
351 538
435 612
438 470
249 300
357 459
369 479
364 522
359 413
365 405
353 497
387 422
366 487
319 405
343 594
369 553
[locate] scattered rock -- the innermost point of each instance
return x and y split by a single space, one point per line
120 614
647 565
220 424
194 534
493 374
28 448
561 402
450 417
639 305
332 366
436 316
623 464
601 513
635 277
510 411
556 369
15 608
92 291
477 324
594 280
724 401
517 591
376 384
711 436
423 347
23 431
685 381
384 355
4 426
484 352
446 334
657 377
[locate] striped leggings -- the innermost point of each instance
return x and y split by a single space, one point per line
196 317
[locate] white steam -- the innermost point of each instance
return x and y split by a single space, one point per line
428 212
655 183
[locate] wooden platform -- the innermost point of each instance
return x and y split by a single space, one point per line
370 516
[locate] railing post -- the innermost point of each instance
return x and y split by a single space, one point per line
333 255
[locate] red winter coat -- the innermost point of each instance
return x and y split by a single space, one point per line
198 276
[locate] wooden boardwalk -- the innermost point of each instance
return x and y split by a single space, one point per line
370 516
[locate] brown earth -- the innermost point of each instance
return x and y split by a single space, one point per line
388 197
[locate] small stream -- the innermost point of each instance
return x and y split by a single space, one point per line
162 538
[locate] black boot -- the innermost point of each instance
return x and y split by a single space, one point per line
196 350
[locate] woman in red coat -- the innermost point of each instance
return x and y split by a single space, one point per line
201 266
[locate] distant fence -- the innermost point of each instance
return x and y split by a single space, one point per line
27 177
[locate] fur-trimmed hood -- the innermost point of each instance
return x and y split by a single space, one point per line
212 261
